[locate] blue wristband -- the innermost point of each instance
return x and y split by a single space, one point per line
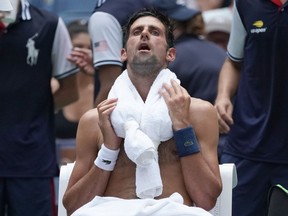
186 142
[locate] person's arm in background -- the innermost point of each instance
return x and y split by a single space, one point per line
63 70
227 87
67 92
107 75
106 52
230 73
82 57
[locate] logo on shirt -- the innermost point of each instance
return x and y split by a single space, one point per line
100 2
33 53
258 27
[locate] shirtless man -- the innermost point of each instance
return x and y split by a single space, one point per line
195 176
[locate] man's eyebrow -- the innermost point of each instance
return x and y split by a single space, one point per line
137 27
149 27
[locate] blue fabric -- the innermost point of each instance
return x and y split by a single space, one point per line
32 196
27 145
254 181
122 9
260 111
197 65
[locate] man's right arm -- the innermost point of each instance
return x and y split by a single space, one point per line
95 138
87 180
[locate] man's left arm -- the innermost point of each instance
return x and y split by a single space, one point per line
201 169
195 126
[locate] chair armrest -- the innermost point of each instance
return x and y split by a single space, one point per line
65 172
229 178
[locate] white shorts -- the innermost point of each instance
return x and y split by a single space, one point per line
106 35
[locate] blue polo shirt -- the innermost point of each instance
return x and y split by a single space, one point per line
197 65
121 9
30 54
259 39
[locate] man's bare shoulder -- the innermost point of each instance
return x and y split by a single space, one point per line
202 110
90 116
88 139
88 132
198 104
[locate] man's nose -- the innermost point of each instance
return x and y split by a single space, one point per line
145 33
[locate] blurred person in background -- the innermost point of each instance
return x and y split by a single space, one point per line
33 48
251 104
218 25
66 119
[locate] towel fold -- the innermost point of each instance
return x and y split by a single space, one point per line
138 146
143 125
144 176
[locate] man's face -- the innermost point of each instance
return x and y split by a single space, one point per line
146 44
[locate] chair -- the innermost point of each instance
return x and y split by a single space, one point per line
223 206
229 178
278 201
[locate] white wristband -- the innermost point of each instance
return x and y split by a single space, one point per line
106 158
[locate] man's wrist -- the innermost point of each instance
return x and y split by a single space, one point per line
180 125
106 158
186 142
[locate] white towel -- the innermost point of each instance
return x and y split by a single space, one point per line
143 125
112 206
148 181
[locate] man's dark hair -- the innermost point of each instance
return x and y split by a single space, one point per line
169 26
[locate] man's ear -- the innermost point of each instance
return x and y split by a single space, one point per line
171 54
123 55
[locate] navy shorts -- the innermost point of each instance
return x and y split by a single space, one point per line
27 197
254 181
